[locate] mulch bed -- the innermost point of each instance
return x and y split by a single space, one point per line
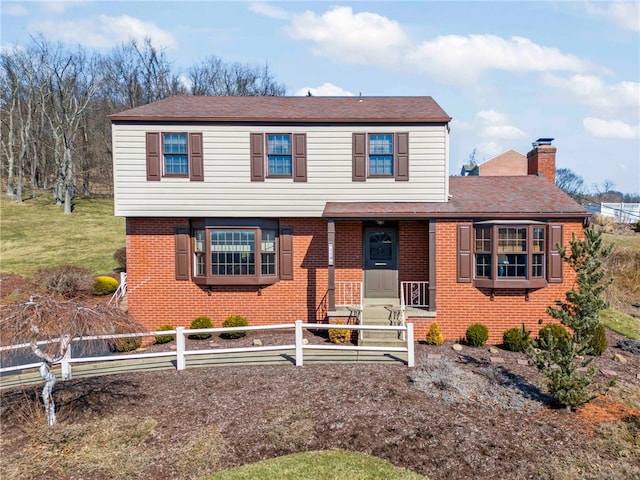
267 411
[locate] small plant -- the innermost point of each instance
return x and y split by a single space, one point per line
477 335
339 335
515 339
234 321
104 285
434 335
555 330
126 344
164 338
120 256
598 341
66 280
198 323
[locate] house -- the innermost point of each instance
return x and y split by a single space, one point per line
321 208
508 163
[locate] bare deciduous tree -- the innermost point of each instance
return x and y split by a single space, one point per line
49 326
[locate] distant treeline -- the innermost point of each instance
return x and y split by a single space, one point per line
54 103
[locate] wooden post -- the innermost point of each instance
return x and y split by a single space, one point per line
410 346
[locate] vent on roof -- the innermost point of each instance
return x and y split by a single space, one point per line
542 141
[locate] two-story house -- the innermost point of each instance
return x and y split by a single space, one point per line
287 208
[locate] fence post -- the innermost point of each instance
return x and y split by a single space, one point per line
410 346
299 353
180 348
65 366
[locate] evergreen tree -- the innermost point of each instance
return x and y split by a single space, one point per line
560 358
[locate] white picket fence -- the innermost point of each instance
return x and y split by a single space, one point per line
181 353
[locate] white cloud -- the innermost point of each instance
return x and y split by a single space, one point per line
610 128
495 125
486 150
625 15
60 6
464 59
591 90
325 90
491 116
359 38
268 10
503 131
369 38
103 31
15 10
460 124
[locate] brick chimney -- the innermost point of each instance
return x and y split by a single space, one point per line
541 160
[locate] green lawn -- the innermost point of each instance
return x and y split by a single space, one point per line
37 234
619 322
322 465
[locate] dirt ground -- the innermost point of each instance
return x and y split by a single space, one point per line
455 415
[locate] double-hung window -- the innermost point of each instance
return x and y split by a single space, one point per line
509 256
174 154
381 155
237 254
174 151
279 163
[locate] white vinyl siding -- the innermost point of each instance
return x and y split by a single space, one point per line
227 189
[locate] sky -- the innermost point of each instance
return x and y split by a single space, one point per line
507 72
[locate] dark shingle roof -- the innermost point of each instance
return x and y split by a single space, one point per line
289 109
527 196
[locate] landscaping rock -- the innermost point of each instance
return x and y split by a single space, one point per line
434 356
305 341
457 347
493 350
609 373
619 358
629 345
523 362
257 342
172 347
496 359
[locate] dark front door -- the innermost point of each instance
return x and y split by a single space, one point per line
380 262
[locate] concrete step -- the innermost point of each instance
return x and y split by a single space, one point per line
381 343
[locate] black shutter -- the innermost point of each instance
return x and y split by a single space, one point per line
465 253
286 254
401 169
257 157
359 157
299 157
154 172
196 163
555 261
182 253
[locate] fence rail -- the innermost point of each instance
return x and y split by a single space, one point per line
181 353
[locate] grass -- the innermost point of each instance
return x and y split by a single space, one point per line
319 465
36 234
621 323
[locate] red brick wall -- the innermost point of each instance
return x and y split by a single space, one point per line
156 298
414 251
461 304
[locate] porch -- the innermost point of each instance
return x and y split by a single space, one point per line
353 308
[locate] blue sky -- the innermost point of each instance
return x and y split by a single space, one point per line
507 72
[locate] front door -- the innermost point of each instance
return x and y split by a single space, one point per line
380 262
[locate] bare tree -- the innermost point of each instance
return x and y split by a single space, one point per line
214 77
49 325
569 182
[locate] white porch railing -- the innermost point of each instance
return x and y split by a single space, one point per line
181 353
412 294
121 290
349 294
